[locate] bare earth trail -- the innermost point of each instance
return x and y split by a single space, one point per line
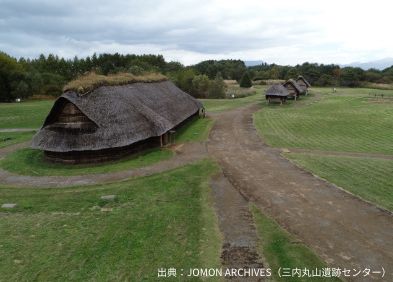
239 249
7 130
344 230
184 154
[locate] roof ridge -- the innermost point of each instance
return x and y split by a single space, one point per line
91 81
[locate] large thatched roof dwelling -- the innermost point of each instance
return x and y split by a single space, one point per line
294 89
111 121
303 83
276 92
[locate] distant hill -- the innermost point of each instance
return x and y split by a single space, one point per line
252 63
377 64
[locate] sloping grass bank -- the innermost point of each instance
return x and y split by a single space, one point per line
160 221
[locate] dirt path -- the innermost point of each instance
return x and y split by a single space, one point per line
17 130
185 154
338 154
239 248
343 230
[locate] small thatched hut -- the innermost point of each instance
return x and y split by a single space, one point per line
303 83
112 121
276 92
294 89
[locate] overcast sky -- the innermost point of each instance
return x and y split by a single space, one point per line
283 32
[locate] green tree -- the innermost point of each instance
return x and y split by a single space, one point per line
183 79
292 73
12 79
173 66
351 76
274 72
217 87
200 86
326 80
137 70
372 75
245 81
20 89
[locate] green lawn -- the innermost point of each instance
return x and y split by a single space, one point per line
350 120
31 162
219 105
195 130
29 114
346 91
371 179
281 249
344 121
160 221
11 138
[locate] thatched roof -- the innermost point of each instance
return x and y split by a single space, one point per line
123 115
90 81
277 90
294 84
304 80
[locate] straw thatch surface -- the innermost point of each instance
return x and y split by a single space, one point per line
277 90
304 80
89 82
123 115
296 86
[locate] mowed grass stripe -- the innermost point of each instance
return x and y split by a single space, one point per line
368 178
335 123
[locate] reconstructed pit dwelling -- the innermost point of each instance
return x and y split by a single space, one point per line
294 89
277 92
303 83
289 89
110 122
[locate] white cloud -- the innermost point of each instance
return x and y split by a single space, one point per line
285 32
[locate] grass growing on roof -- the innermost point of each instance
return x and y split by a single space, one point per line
91 81
280 249
370 179
160 221
11 138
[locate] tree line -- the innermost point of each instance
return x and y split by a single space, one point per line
323 75
46 75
